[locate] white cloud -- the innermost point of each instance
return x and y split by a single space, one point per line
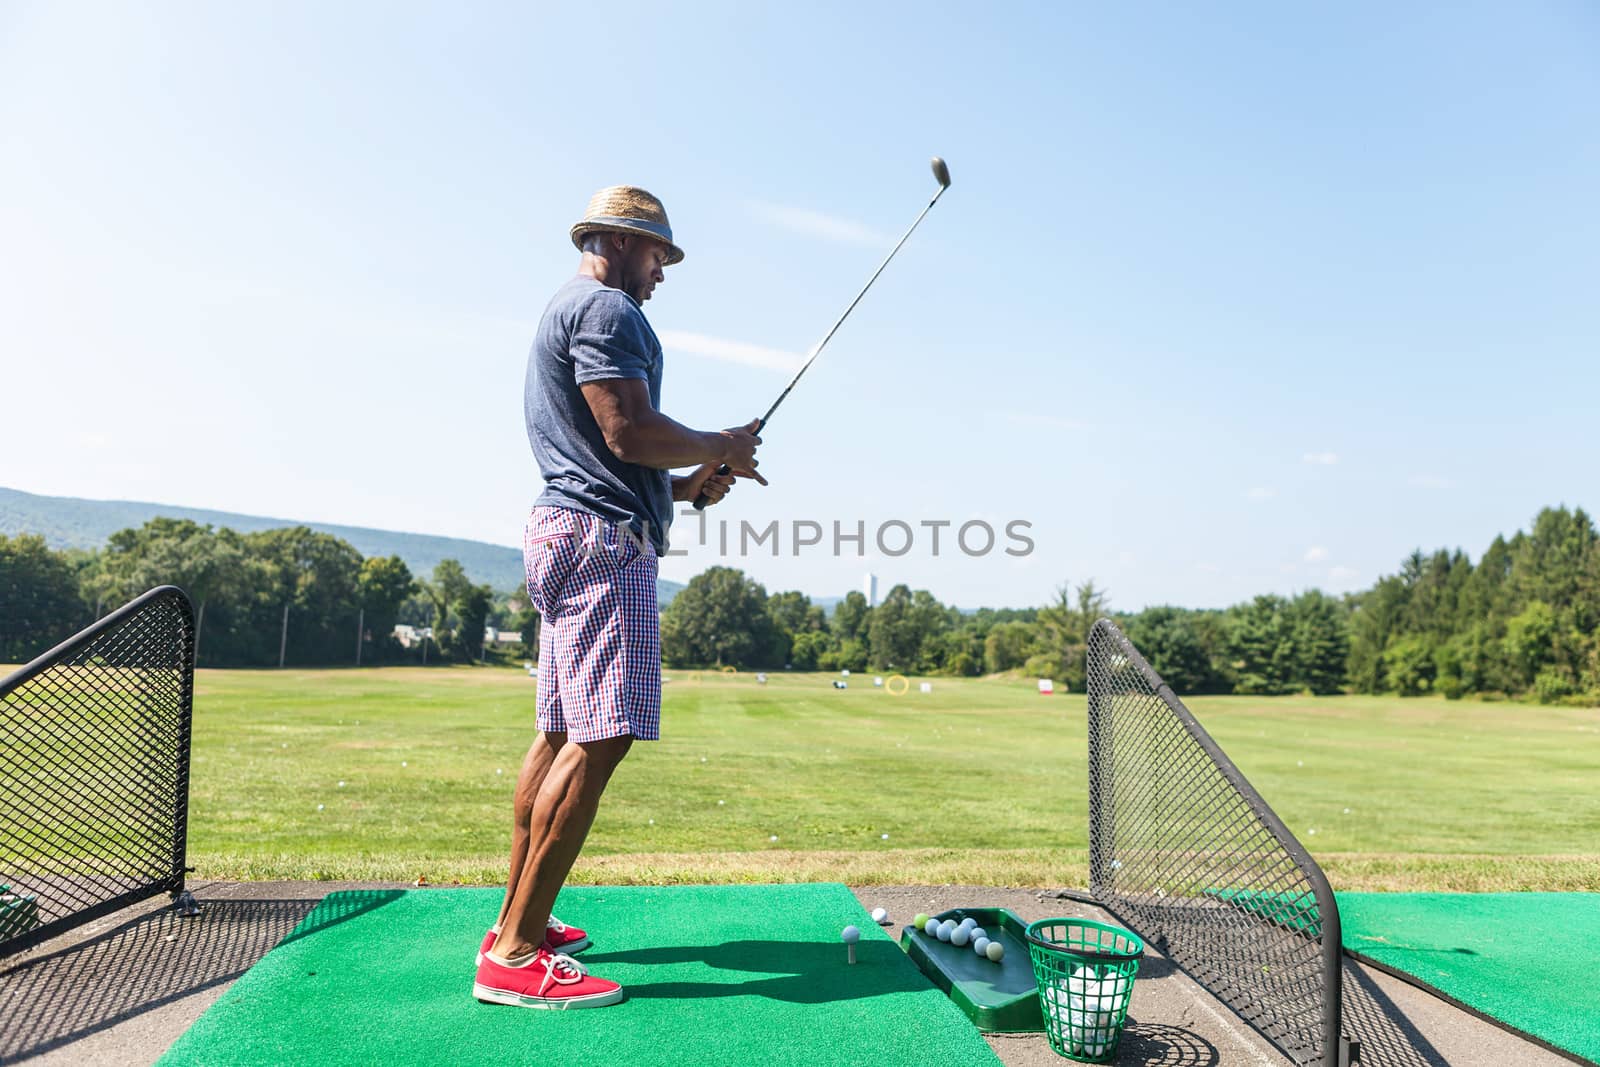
1316 553
727 351
1320 459
816 224
1431 481
1261 492
1342 574
1207 568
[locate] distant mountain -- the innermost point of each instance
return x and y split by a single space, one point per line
69 522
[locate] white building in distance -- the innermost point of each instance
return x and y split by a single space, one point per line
869 589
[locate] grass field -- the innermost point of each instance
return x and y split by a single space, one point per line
980 781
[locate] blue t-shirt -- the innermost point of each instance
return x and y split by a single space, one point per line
589 333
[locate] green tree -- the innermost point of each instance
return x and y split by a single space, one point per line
1321 640
449 586
39 603
1168 639
1375 618
1062 633
851 617
793 615
1556 565
1408 664
792 612
1530 641
472 609
1008 646
808 649
1262 646
383 585
719 619
203 562
899 627
848 655
316 575
956 651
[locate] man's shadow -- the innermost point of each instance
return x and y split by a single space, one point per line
800 972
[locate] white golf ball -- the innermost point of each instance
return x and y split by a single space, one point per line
958 936
946 928
969 922
977 932
880 915
850 935
995 951
931 928
980 945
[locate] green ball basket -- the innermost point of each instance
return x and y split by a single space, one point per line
1085 971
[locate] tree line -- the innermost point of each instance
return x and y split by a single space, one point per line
1523 621
290 595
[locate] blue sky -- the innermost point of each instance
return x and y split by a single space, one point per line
1224 299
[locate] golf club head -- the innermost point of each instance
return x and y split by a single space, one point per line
941 172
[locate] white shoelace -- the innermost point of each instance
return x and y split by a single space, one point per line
572 971
555 924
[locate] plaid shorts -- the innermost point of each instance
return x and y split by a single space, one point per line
599 634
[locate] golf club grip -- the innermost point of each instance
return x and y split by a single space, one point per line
702 500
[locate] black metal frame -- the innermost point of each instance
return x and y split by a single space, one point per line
94 766
1248 914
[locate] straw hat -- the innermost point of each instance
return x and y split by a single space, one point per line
627 209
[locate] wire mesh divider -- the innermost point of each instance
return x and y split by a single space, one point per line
94 770
1184 851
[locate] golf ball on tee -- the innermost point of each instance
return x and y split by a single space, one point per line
921 920
980 945
931 927
958 936
995 951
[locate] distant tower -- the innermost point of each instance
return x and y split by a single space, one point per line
869 589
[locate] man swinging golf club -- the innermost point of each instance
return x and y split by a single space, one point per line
605 450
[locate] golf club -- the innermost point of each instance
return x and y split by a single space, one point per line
940 172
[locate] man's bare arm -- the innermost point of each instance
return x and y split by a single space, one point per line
637 433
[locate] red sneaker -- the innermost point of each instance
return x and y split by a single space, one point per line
558 937
547 980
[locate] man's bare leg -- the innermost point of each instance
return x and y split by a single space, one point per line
563 810
541 754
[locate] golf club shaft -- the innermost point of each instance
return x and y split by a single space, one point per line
702 500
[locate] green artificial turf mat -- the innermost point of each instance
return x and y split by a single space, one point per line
715 975
1526 959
